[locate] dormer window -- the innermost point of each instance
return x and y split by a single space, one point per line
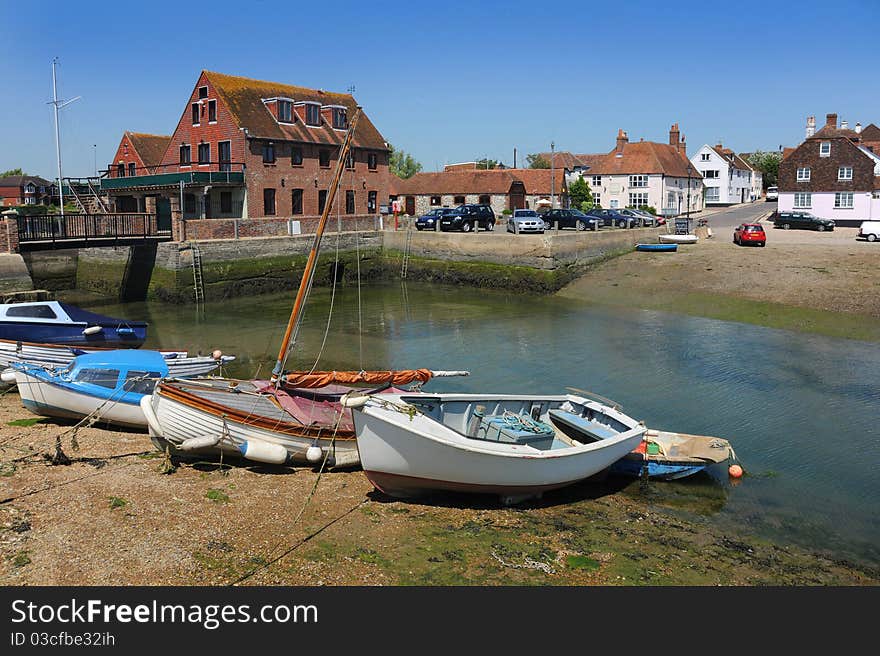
284 111
340 118
825 149
313 114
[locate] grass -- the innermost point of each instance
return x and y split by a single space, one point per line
117 502
30 421
217 495
581 562
21 559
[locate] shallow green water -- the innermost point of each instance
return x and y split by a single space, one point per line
801 410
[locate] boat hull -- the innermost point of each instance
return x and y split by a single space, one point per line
657 248
50 400
407 456
678 239
174 421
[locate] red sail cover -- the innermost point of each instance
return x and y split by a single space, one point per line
324 378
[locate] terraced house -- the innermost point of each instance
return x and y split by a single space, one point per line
727 177
247 148
834 173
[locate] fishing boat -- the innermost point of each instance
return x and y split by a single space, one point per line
180 363
677 239
54 322
273 421
665 455
517 447
657 248
107 386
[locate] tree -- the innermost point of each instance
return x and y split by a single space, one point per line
768 164
12 172
537 161
402 164
580 194
486 163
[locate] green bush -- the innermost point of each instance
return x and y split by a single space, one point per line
506 211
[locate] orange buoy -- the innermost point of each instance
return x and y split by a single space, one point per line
735 471
217 354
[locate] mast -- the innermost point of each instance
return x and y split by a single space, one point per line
309 272
58 104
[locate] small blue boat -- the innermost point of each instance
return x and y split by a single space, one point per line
667 456
661 248
108 386
53 322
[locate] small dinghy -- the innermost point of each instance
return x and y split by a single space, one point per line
108 386
678 239
657 248
667 456
514 446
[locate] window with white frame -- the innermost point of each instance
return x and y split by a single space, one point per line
670 199
825 149
596 181
802 199
712 195
284 111
597 199
803 175
637 200
844 173
710 174
638 181
704 157
843 200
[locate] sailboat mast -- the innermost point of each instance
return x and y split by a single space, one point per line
311 263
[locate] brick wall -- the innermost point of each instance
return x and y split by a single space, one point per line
126 154
9 238
271 226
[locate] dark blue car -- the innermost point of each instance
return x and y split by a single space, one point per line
611 218
428 221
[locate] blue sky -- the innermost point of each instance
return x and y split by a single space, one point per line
446 82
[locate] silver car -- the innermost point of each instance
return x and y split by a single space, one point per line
525 221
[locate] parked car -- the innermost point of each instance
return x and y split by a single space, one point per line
611 218
469 217
749 233
525 221
869 230
772 193
644 218
569 219
806 220
427 220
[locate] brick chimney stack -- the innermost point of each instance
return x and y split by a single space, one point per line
673 135
830 120
682 147
621 140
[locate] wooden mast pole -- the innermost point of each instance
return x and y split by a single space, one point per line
309 272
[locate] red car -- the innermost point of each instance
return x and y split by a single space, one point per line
749 233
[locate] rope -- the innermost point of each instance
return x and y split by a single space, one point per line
302 510
332 294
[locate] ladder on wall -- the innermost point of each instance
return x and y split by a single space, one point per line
198 281
404 265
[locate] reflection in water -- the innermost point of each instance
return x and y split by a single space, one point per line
800 410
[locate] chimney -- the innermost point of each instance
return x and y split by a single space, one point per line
682 147
621 140
858 128
830 120
718 146
844 125
811 126
673 135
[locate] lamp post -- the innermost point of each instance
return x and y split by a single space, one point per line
552 178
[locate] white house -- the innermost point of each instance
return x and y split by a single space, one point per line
637 174
727 177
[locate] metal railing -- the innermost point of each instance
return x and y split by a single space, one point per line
88 227
193 166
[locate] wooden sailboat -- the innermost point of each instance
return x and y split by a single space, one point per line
273 421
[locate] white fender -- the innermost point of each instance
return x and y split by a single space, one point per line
314 454
261 451
201 442
146 404
354 401
92 330
8 376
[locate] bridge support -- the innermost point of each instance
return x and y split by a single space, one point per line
178 223
9 239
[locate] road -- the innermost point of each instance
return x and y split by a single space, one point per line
733 216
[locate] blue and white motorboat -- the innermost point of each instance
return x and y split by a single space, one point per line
666 456
107 386
53 322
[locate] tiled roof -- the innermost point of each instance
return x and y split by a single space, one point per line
590 159
829 132
877 183
870 133
732 157
150 147
646 157
787 151
563 160
493 181
21 180
244 99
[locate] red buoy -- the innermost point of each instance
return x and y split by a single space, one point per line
735 471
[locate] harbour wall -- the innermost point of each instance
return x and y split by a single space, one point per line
238 267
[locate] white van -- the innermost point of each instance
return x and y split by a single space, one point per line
869 230
772 193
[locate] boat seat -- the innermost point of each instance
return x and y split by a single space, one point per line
582 425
